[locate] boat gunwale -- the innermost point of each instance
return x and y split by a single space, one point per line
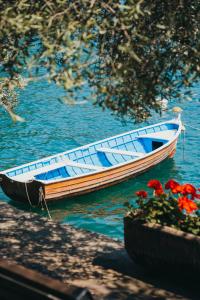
49 182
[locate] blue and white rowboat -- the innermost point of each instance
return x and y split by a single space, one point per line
93 166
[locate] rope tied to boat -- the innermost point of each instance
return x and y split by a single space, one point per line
43 200
40 201
183 131
193 127
27 194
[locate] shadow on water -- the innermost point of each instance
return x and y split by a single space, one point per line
102 211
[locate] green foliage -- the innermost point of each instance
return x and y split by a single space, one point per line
128 52
154 46
159 210
164 210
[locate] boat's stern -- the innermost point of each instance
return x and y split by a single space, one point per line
28 192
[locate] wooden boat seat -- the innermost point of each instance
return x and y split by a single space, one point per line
160 135
30 175
122 152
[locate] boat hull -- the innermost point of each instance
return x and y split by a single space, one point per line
82 185
93 182
23 192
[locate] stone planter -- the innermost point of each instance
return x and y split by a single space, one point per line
157 247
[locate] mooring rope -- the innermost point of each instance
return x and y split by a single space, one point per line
193 127
42 198
27 194
183 130
183 140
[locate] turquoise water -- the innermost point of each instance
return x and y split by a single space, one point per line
53 127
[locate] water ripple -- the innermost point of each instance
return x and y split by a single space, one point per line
53 127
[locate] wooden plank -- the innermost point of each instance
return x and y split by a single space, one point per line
20 283
120 173
159 135
109 179
30 175
91 188
122 152
106 173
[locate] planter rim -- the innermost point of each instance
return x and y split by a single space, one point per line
164 229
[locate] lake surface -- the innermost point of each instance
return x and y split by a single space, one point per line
53 127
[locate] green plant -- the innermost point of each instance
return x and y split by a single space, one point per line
129 52
178 208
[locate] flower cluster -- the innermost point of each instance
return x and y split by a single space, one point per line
187 193
176 205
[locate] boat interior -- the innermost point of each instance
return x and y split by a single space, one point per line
97 156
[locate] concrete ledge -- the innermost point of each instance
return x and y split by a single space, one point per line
84 259
20 283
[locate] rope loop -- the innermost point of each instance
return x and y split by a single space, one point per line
43 200
27 194
193 127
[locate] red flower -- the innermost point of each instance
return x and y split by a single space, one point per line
177 189
187 204
159 192
171 184
197 196
157 186
174 186
142 194
154 184
188 189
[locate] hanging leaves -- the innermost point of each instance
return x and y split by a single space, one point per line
129 53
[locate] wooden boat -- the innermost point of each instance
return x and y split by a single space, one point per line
93 166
